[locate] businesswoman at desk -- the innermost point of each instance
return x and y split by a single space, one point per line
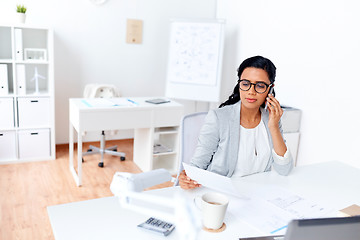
244 135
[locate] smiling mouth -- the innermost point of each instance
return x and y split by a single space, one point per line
251 100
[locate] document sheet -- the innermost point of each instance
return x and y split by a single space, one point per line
108 102
266 207
271 208
211 180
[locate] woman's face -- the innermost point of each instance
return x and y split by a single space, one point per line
251 98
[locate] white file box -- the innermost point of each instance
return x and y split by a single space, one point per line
19 51
6 113
7 145
34 143
34 112
21 79
4 85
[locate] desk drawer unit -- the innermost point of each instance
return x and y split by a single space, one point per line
7 145
34 143
111 119
34 112
7 113
168 117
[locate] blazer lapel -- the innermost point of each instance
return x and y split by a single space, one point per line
234 129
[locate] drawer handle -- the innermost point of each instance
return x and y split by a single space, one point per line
34 133
34 101
1 134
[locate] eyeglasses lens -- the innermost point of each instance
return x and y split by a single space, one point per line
259 87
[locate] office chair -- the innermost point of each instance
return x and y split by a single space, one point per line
190 129
102 91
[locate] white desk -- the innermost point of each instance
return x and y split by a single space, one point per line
143 117
333 183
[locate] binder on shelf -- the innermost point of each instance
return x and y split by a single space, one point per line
21 79
4 86
19 52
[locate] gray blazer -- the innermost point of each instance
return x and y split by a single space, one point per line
218 144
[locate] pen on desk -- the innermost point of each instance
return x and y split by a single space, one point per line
86 103
276 230
129 100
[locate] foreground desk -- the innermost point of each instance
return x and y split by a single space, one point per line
333 183
145 118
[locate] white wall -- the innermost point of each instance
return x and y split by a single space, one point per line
315 46
90 45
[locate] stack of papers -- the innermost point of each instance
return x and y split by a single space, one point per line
159 148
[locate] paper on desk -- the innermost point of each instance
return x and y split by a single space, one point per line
123 102
271 208
111 102
98 102
212 180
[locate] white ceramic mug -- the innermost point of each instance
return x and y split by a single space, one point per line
213 207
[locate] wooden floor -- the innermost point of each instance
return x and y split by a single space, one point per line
26 189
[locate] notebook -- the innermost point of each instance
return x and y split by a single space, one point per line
157 101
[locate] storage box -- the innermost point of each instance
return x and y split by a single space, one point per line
34 112
291 119
7 113
4 84
34 143
7 145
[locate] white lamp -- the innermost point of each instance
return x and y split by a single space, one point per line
179 209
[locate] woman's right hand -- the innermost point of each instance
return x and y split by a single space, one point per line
186 183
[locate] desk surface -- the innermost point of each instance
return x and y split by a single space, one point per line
333 183
139 102
142 115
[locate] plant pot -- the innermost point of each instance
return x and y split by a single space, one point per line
21 17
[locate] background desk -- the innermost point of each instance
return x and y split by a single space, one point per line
333 183
147 119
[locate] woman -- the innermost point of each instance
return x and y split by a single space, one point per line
242 137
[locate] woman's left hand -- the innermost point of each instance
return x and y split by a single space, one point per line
275 111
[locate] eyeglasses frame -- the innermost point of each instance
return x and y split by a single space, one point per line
267 85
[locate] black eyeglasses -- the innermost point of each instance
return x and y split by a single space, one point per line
260 87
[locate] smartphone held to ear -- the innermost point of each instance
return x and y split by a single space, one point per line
270 92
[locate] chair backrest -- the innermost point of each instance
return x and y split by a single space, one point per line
101 91
189 133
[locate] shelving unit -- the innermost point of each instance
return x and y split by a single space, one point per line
27 126
168 138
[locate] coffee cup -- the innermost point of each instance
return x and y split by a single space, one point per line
213 208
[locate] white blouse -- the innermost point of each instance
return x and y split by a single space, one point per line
254 151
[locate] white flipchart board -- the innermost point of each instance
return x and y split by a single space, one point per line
195 60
